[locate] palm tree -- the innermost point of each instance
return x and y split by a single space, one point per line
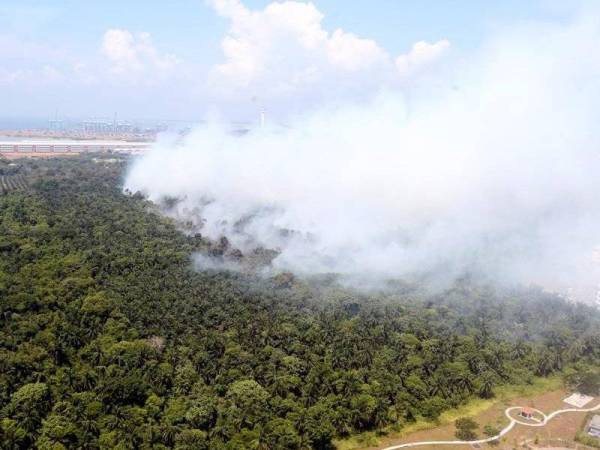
545 364
486 388
464 383
575 350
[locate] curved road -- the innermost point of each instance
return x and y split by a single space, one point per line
510 426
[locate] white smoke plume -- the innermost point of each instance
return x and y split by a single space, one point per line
493 168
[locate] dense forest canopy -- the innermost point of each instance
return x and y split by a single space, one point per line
110 338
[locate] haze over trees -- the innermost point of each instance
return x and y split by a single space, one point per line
110 339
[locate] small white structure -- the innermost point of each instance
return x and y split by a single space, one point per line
594 428
578 400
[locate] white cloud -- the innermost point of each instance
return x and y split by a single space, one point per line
35 76
349 52
30 63
421 54
280 57
133 55
229 8
284 51
10 76
52 74
106 75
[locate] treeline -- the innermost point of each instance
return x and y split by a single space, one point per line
110 339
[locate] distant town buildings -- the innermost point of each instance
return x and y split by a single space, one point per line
105 129
95 128
116 127
57 125
99 127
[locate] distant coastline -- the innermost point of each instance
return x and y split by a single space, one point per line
7 124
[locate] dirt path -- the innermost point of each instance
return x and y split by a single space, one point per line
513 422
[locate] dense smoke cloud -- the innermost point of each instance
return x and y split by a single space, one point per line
492 168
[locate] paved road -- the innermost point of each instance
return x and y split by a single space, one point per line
513 422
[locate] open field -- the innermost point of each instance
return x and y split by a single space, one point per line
564 426
546 395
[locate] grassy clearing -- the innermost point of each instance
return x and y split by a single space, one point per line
470 409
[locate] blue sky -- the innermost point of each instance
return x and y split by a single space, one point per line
53 54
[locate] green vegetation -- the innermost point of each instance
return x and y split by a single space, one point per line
110 339
491 431
466 429
11 178
586 381
583 437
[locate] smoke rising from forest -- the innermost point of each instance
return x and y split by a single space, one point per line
492 166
